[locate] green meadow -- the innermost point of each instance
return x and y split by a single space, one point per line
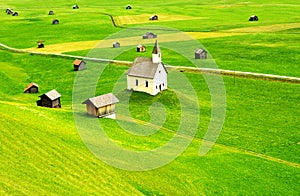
256 153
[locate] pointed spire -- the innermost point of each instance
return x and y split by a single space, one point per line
156 48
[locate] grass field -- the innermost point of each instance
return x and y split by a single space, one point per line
257 152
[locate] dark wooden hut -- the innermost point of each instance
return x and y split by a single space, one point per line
154 17
79 65
9 11
55 21
15 14
51 12
253 18
32 88
50 99
128 7
140 48
101 106
75 6
116 45
149 35
200 54
40 44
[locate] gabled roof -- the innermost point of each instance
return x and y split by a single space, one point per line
156 48
53 94
200 50
143 67
30 85
77 62
102 100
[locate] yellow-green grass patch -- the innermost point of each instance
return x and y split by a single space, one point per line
265 29
144 18
129 41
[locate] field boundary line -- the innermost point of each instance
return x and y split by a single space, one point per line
214 71
231 148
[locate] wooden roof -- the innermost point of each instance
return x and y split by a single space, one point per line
200 50
102 100
148 34
143 67
53 94
30 85
77 62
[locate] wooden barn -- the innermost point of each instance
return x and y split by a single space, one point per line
101 106
154 17
55 21
75 6
253 18
40 44
116 45
79 65
32 88
15 14
148 75
51 12
128 7
50 99
149 35
140 48
200 54
9 11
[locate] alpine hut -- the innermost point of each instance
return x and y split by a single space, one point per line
51 12
116 45
200 53
55 21
149 35
154 17
50 99
75 6
253 18
32 88
79 65
140 48
101 106
148 75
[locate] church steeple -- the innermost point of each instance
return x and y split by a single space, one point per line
156 53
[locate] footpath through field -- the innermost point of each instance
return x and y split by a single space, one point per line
169 67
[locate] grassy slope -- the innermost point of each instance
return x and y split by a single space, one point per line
41 150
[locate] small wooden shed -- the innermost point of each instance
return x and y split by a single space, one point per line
50 99
116 45
51 12
200 53
32 88
15 14
253 18
101 106
40 44
79 65
149 35
140 48
75 6
9 11
154 17
55 21
128 7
